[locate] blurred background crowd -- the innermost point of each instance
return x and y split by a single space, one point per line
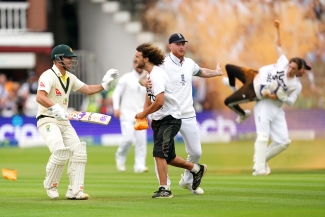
226 31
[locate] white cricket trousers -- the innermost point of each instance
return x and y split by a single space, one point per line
130 136
59 136
191 136
270 119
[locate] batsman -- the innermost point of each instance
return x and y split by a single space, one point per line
54 87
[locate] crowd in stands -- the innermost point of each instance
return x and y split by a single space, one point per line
18 98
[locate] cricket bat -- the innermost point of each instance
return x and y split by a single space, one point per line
89 117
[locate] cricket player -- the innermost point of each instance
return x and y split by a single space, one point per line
54 87
180 71
128 99
272 86
166 119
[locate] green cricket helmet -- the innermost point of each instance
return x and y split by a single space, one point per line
64 51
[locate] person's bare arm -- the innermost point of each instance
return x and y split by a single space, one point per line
41 98
208 73
277 43
150 108
91 89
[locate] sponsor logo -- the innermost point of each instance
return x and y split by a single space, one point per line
75 115
41 84
89 117
103 118
57 92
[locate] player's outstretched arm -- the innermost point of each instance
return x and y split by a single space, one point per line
208 73
277 38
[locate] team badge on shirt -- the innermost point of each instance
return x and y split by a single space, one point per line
47 128
57 92
65 101
183 80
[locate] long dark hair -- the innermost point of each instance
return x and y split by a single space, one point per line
152 52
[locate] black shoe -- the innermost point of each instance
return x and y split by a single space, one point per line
197 177
162 193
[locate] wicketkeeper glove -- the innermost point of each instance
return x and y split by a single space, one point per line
59 113
141 124
109 77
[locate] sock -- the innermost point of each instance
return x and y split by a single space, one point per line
196 168
233 88
164 186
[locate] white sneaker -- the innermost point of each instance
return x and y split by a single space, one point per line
79 196
121 168
187 186
225 81
241 118
52 192
260 173
143 170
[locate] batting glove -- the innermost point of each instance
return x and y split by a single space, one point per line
59 113
109 77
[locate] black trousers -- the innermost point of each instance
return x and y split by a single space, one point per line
244 94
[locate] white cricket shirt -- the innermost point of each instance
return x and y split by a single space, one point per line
129 96
58 91
180 76
161 83
278 72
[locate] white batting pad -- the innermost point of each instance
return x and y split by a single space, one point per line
76 170
260 151
274 149
55 166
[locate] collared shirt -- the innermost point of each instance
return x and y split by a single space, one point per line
58 92
129 96
180 76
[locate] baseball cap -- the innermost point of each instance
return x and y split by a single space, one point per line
305 64
176 37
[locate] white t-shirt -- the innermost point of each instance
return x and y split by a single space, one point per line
278 72
129 96
160 83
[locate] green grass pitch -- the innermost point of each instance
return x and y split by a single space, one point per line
296 186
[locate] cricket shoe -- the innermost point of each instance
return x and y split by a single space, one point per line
225 81
260 173
162 193
188 186
52 192
267 169
121 168
79 196
197 177
143 170
241 118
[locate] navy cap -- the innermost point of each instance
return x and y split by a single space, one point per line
176 37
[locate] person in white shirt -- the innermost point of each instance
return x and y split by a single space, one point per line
271 86
54 87
180 71
166 119
128 99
